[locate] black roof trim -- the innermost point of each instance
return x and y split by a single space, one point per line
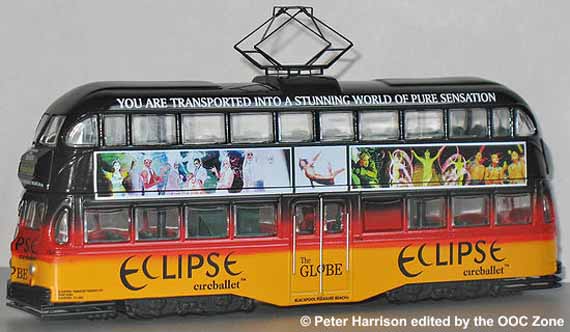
299 85
435 81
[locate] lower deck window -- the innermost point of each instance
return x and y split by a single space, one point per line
426 213
470 211
514 209
333 217
256 219
34 213
157 223
107 225
205 222
382 215
305 218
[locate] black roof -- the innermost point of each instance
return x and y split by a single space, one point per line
98 95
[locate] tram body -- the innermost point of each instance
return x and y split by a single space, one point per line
410 204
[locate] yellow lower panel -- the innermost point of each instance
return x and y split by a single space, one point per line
268 277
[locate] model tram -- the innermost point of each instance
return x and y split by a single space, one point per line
176 198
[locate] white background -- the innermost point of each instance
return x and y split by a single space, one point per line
50 47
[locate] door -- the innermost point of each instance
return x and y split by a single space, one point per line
321 248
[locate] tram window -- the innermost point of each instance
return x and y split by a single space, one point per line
40 127
115 129
524 125
501 122
513 209
203 128
296 127
470 211
333 218
337 126
49 136
106 225
157 223
206 222
252 127
382 215
154 129
34 215
305 218
469 122
424 124
61 227
426 213
83 133
378 125
255 219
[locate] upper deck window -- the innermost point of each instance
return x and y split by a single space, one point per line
337 126
203 128
83 133
115 132
523 124
49 136
40 127
424 124
468 122
296 127
252 127
378 125
502 122
154 129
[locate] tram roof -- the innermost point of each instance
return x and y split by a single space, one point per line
99 95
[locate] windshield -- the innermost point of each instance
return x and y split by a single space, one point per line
40 127
49 135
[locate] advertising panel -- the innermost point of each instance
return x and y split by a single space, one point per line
186 173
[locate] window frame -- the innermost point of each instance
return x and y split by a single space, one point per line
103 126
225 120
42 139
493 111
531 218
467 109
353 126
131 121
445 216
372 111
380 199
280 126
135 220
130 230
77 123
186 221
249 141
276 216
444 118
41 127
488 203
516 115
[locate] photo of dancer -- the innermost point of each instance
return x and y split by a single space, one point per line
320 169
428 166
185 173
